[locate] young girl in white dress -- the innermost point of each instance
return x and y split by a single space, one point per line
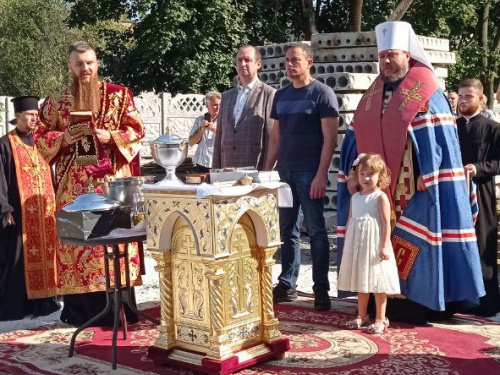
368 263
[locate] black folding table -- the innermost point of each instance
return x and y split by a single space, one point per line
111 244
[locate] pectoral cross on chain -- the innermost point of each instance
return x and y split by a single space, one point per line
409 95
370 94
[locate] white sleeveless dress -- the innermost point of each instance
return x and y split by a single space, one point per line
361 269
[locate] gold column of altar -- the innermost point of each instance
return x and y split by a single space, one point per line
214 259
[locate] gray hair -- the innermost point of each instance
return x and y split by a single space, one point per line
212 95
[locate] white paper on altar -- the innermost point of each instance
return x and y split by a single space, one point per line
205 190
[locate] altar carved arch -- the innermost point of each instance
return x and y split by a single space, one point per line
252 218
215 258
169 227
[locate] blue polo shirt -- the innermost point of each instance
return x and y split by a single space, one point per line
299 112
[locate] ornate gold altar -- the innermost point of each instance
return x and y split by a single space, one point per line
214 258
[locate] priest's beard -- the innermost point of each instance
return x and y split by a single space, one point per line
398 75
469 110
87 95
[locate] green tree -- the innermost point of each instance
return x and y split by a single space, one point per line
275 21
473 33
472 26
334 15
170 45
186 46
34 36
89 12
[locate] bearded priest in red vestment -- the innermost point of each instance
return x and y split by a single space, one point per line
117 131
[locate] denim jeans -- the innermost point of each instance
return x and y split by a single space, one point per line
300 183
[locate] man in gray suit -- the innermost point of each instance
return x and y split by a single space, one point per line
244 124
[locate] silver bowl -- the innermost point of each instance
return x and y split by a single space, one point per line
169 151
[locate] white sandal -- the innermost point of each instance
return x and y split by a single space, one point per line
379 326
358 322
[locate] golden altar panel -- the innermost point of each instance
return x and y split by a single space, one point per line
214 259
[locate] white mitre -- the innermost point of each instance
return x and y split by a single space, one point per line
400 35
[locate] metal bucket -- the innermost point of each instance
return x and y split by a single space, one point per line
123 189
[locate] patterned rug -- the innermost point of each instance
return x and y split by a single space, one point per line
320 345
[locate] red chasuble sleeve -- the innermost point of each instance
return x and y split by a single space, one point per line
131 130
49 131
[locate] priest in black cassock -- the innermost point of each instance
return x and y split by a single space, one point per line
480 146
28 241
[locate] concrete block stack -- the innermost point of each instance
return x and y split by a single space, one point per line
6 114
273 64
347 62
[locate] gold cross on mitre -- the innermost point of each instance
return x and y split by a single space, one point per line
410 94
370 94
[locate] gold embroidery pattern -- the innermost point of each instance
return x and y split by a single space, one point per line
38 222
410 94
371 93
406 254
82 267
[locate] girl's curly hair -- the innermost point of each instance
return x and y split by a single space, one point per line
375 163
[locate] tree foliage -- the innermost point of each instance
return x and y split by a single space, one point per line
460 22
333 16
186 45
170 45
275 21
34 36
190 45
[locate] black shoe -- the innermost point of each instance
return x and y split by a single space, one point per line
322 300
283 294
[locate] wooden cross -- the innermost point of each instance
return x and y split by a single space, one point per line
410 94
370 94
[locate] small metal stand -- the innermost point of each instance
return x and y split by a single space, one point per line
111 241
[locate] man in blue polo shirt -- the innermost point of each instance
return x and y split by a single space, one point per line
303 140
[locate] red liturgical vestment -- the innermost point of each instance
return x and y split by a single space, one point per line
81 269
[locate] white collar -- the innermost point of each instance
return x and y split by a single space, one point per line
250 86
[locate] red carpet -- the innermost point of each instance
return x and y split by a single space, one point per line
320 345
